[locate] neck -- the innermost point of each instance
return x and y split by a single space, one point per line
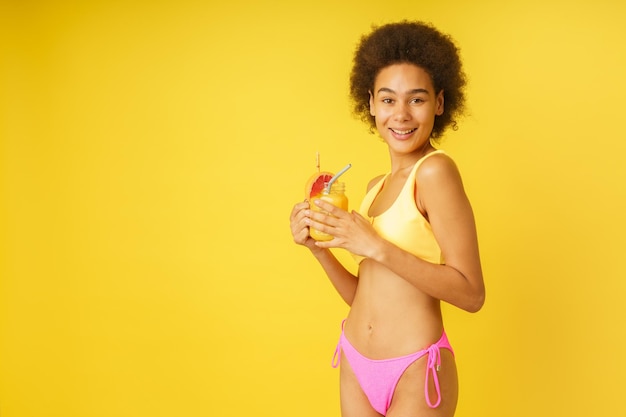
403 162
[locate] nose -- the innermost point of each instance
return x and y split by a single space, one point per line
401 112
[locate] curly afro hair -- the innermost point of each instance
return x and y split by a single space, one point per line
415 43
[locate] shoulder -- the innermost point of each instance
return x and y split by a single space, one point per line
374 181
439 178
436 169
441 188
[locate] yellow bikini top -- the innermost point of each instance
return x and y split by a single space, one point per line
402 224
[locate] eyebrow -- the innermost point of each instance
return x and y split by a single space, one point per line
414 91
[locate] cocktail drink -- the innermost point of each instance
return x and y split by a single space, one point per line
335 196
324 186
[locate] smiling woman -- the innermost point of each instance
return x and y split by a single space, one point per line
414 236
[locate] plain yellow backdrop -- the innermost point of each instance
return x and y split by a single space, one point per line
151 153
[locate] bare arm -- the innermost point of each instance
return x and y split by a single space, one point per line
443 199
344 282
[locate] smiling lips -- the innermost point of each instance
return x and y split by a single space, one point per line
403 132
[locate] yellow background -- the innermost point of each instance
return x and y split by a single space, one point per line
150 155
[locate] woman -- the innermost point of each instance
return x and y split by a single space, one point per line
414 236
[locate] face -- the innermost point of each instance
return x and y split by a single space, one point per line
404 104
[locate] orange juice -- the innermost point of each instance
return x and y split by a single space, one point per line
336 197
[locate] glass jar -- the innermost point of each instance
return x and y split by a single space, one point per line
337 197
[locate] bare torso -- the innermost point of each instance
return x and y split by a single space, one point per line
390 317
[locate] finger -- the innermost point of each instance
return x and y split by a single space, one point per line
326 244
328 207
298 208
299 216
301 236
359 218
323 218
300 226
329 229
301 205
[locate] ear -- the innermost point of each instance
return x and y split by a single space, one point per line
439 104
371 103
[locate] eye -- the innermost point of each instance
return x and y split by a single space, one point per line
387 100
417 100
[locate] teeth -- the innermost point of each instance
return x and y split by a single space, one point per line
403 132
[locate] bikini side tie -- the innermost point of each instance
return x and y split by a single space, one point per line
337 356
432 367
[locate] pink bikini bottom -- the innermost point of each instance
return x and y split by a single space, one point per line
378 378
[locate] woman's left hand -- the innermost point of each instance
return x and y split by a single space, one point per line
350 230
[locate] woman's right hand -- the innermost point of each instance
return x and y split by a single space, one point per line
299 226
